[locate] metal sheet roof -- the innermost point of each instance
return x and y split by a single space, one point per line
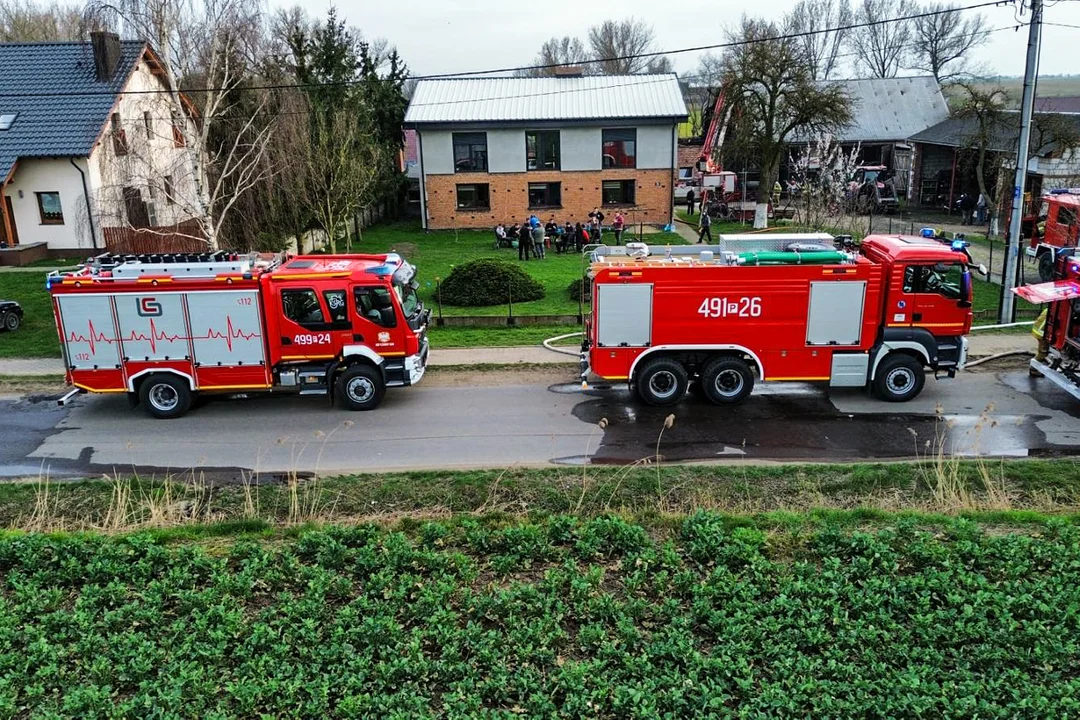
59 125
595 97
1002 135
891 109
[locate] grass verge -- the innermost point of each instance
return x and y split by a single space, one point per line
936 484
706 615
510 336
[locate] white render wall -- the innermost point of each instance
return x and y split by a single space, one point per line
581 148
51 175
149 159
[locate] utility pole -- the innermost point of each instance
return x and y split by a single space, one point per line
1031 73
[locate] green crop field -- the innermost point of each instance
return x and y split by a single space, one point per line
705 616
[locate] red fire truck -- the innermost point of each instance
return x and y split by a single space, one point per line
1054 227
1062 330
165 328
778 307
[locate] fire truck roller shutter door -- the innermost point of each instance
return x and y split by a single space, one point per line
624 315
835 316
90 337
226 328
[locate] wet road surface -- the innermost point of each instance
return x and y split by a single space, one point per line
536 422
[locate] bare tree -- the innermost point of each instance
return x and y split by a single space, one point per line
942 43
769 82
823 47
26 21
203 45
343 170
881 42
618 46
558 51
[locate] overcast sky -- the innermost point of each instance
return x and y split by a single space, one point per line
438 36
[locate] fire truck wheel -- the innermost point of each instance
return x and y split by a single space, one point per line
165 396
899 378
662 382
360 387
1046 265
727 381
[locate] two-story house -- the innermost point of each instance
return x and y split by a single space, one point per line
91 149
500 149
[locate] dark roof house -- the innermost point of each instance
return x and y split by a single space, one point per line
56 99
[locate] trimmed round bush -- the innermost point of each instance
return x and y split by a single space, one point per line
489 281
576 286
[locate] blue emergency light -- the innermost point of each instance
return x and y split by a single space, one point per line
959 245
927 232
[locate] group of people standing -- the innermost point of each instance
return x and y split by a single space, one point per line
534 237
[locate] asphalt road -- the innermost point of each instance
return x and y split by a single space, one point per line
501 420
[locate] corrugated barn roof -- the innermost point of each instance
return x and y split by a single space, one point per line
594 97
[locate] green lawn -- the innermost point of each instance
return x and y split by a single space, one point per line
435 254
37 337
460 337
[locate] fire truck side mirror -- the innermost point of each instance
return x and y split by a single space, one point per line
965 289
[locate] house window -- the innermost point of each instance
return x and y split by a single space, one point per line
473 196
470 152
138 215
7 120
177 130
620 148
167 188
49 208
618 192
120 146
686 173
543 195
148 123
542 150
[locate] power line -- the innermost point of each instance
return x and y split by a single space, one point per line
549 66
637 80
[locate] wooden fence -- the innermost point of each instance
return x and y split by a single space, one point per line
183 237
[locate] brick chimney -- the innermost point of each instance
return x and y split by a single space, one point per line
106 54
570 71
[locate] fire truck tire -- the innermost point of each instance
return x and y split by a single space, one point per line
360 387
662 382
899 378
727 380
1045 262
165 396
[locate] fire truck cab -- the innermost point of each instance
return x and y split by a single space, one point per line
1054 228
808 308
166 328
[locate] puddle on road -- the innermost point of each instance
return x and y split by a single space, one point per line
792 422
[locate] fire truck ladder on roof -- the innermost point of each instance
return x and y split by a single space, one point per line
191 265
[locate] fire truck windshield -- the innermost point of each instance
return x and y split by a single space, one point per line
410 304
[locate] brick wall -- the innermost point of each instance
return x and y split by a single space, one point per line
581 192
689 154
